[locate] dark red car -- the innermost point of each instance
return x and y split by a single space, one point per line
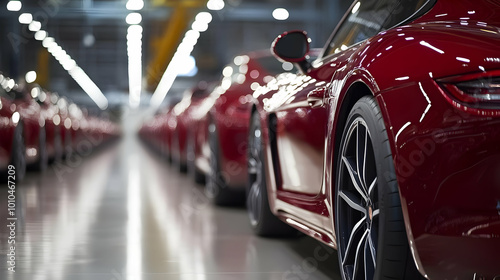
157 130
387 146
223 130
12 147
50 113
183 127
28 116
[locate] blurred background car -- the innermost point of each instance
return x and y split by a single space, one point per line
181 141
226 123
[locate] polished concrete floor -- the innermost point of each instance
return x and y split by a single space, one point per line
124 213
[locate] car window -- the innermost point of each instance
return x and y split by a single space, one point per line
367 18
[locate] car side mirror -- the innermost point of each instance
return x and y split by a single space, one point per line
292 46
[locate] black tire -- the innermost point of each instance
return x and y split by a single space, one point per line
262 220
43 158
18 157
177 157
371 237
192 170
216 188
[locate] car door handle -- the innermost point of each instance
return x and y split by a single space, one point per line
316 97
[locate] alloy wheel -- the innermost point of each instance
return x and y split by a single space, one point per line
254 196
357 204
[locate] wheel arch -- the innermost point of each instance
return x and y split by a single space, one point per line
356 91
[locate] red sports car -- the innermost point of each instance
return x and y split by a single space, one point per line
387 146
225 126
52 119
157 131
12 146
28 117
182 126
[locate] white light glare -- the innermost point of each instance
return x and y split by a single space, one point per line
215 5
35 26
134 50
355 9
188 68
30 76
135 5
280 14
204 17
47 42
14 6
133 18
15 117
199 26
89 87
25 18
40 35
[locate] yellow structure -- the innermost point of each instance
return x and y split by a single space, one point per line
164 46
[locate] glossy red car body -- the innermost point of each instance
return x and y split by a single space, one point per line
230 113
183 122
158 130
7 127
49 112
34 125
446 151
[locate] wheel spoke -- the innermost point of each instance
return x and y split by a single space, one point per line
355 179
359 257
361 143
352 239
369 258
252 166
372 187
352 201
371 251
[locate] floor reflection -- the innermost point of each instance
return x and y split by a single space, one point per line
123 213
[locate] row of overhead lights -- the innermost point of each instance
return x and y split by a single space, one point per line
134 51
188 43
180 57
60 55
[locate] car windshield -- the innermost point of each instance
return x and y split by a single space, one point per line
369 17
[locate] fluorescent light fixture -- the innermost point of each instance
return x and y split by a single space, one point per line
14 6
188 68
35 26
199 26
40 35
204 17
133 18
47 42
89 87
134 50
25 18
30 77
77 73
355 9
182 56
280 14
135 5
215 5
